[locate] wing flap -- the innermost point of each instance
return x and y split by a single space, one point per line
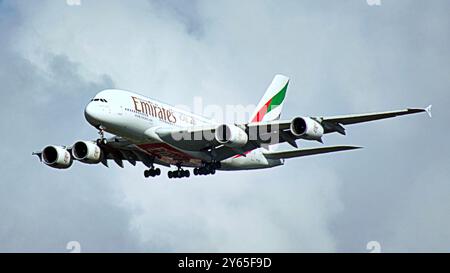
308 152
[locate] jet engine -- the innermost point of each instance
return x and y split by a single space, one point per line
57 157
231 136
306 128
87 152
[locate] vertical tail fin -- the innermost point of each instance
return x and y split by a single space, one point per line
270 106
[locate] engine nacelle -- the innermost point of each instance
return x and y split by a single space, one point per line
231 136
87 152
57 157
306 128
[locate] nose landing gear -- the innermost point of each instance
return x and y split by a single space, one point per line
102 139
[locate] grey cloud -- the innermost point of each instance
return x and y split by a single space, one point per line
187 13
41 212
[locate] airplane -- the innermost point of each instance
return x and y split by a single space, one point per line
155 133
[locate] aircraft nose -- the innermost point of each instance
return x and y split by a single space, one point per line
90 114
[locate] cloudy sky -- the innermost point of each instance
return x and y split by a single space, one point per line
342 57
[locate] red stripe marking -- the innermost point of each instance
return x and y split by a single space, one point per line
239 155
262 112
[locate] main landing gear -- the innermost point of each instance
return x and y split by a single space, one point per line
207 169
152 172
180 173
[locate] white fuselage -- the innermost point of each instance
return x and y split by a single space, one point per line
136 117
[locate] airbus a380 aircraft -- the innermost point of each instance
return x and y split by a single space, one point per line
156 133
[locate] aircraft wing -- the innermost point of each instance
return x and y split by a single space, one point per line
334 123
352 119
307 152
330 123
263 134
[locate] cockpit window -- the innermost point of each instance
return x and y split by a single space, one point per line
102 100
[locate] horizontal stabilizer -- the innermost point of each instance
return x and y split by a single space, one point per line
307 152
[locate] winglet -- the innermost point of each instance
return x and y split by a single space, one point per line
428 110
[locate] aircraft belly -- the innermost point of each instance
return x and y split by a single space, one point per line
170 155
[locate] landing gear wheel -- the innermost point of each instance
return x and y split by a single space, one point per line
180 173
101 141
152 172
207 168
